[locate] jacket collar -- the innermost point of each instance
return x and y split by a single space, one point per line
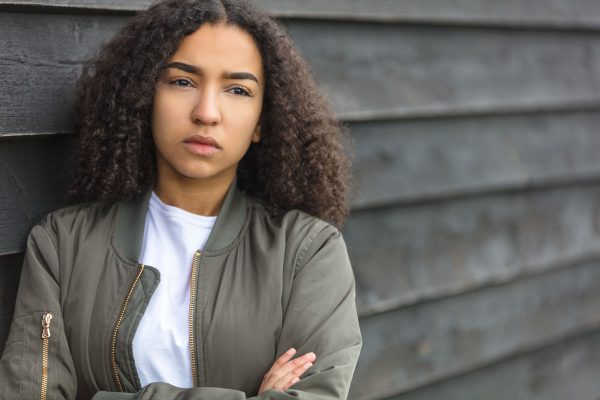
131 218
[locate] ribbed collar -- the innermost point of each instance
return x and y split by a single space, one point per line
131 218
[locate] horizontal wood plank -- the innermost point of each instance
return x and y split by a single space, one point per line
108 5
40 59
32 183
417 346
399 162
534 13
405 70
545 13
406 255
554 373
389 71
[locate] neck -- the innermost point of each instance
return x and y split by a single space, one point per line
198 196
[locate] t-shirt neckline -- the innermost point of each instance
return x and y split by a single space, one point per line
173 212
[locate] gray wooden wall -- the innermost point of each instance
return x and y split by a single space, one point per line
475 236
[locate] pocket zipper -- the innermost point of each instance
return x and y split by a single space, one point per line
46 318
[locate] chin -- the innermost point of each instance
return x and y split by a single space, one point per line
191 171
205 175
196 175
194 170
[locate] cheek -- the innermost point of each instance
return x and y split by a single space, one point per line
244 118
164 121
246 131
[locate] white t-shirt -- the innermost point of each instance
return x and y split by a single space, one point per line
161 343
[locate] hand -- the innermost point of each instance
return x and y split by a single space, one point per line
284 373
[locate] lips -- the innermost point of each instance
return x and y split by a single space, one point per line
202 145
204 140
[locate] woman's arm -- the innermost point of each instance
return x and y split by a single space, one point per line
321 317
36 362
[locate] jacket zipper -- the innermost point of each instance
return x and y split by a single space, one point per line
46 318
191 315
113 351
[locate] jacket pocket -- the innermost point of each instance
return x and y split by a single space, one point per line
27 367
46 321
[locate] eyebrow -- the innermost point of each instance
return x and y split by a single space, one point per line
192 69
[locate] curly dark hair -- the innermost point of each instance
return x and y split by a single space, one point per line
301 161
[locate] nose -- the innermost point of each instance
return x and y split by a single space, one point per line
207 111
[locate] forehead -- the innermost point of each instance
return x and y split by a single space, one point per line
220 47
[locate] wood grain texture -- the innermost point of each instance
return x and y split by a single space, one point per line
112 5
554 373
533 13
398 71
10 270
420 345
389 71
406 255
32 183
546 13
40 59
402 162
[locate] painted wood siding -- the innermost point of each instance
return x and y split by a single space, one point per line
475 232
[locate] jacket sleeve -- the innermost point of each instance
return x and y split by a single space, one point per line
32 365
321 317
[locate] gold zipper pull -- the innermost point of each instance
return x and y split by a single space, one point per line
46 318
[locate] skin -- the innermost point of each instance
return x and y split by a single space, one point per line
284 373
206 103
207 99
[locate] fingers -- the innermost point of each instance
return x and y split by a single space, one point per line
280 362
285 372
292 376
285 357
283 365
292 365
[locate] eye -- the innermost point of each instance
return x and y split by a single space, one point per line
240 91
180 82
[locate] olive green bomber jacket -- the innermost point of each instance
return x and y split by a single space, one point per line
261 286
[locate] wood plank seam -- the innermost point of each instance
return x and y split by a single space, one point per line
543 23
491 190
524 273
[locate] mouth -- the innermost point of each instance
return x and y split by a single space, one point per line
202 145
205 140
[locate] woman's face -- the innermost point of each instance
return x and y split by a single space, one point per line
207 104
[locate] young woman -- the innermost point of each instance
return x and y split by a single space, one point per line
202 254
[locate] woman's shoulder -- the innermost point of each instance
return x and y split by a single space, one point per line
291 221
302 231
78 216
